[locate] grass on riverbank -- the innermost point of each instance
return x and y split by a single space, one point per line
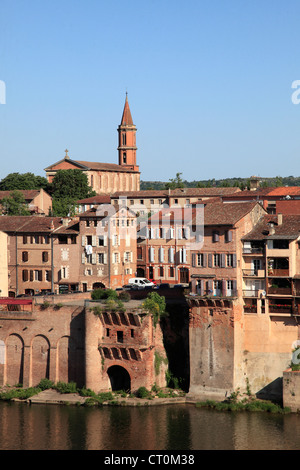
92 398
244 405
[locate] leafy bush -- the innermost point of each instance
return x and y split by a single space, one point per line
100 294
113 305
105 396
142 392
20 394
45 384
63 387
86 392
125 296
45 305
155 304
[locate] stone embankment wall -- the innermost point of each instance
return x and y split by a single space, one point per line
231 351
291 390
42 343
70 343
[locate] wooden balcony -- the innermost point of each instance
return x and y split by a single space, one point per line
279 290
278 272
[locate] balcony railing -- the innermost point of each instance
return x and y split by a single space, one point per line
280 290
278 272
250 309
250 293
253 272
216 293
280 308
254 251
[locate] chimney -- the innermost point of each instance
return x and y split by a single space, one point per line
272 229
51 225
279 219
65 221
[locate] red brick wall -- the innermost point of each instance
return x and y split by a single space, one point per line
35 345
71 344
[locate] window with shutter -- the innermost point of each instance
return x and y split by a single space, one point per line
215 236
171 255
228 236
151 254
161 255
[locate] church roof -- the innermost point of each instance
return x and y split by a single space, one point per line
84 165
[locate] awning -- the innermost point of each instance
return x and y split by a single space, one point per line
13 301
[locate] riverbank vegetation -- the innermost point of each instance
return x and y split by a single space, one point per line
247 403
17 392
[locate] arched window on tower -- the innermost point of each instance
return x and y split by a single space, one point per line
124 138
124 157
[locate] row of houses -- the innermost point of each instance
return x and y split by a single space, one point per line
219 248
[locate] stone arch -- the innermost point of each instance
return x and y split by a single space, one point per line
66 356
140 272
40 351
14 360
119 378
98 285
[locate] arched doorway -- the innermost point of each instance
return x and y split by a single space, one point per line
140 272
14 359
98 285
119 378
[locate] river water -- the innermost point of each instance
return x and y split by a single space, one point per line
165 427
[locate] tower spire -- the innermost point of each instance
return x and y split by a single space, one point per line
126 117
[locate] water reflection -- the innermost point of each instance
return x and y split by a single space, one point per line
178 427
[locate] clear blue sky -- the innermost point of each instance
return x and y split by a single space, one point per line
209 85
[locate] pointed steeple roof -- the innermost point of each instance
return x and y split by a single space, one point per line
126 118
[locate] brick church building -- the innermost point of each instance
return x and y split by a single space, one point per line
109 177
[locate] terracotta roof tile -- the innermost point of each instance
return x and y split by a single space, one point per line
98 199
288 229
184 192
28 194
104 166
27 224
220 213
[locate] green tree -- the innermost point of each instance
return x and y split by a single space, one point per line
176 182
14 204
68 186
155 305
23 181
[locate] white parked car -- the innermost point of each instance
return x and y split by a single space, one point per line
141 282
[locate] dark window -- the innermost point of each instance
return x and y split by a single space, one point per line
120 336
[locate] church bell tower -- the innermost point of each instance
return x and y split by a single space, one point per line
127 140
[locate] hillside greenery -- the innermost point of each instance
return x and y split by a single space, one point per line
241 183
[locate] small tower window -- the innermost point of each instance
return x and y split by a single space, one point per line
124 157
124 138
